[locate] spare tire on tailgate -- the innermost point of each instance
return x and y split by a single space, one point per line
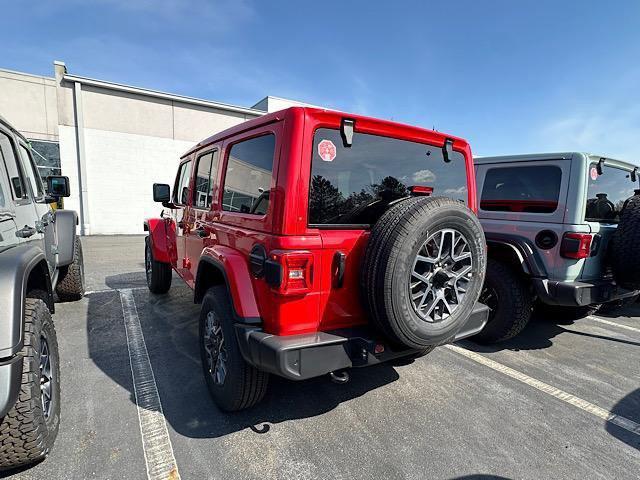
625 245
423 270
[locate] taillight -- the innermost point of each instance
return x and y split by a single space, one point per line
290 272
576 245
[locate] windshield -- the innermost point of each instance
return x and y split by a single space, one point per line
354 185
607 193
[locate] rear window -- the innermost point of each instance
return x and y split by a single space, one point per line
353 185
607 193
521 189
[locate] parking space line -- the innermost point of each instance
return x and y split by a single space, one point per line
614 324
588 407
156 444
91 292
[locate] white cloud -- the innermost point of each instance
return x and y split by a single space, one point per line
424 176
455 191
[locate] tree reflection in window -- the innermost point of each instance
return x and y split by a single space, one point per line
327 205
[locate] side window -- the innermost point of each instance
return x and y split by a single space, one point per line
521 189
8 157
247 181
206 169
181 190
31 172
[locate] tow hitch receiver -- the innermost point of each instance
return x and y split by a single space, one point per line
339 378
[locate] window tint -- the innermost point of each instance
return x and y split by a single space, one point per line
526 189
205 176
353 186
248 179
607 193
9 159
181 191
32 172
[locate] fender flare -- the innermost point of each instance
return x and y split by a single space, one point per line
16 265
160 238
65 222
234 272
523 250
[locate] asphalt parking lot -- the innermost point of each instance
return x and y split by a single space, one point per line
535 407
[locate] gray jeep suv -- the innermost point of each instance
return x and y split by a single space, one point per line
550 221
39 255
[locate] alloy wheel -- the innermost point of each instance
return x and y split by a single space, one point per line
441 273
215 349
46 377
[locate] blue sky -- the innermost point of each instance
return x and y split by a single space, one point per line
510 76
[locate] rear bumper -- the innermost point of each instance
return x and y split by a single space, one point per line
10 381
577 294
298 357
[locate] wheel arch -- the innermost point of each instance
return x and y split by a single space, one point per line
517 252
65 222
223 266
22 269
160 238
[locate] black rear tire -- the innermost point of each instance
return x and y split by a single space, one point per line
625 244
388 279
158 273
70 286
29 430
507 295
242 385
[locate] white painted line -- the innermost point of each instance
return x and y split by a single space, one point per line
599 412
91 292
156 444
613 324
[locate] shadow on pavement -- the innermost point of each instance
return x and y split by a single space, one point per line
170 327
628 407
626 310
539 334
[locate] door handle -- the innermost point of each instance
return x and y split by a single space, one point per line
338 267
26 232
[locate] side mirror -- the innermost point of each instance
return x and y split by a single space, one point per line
58 186
161 192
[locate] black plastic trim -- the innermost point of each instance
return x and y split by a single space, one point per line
523 248
299 357
198 295
577 294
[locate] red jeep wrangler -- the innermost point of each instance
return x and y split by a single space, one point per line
318 241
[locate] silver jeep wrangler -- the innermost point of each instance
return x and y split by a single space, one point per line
550 221
40 255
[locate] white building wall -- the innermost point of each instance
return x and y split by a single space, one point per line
131 140
28 102
133 137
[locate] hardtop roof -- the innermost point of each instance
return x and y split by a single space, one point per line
281 114
548 156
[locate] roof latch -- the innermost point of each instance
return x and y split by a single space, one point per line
346 131
600 165
447 150
634 175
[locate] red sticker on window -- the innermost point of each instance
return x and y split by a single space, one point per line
594 173
327 150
